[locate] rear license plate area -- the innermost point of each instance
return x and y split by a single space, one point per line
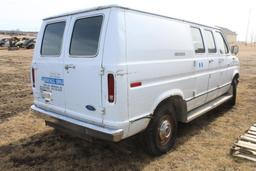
46 95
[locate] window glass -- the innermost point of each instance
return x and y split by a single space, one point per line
210 41
52 39
222 46
85 36
197 40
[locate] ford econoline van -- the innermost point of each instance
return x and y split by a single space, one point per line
113 72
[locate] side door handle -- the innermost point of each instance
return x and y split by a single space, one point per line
68 66
211 60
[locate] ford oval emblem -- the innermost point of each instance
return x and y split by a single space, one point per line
89 107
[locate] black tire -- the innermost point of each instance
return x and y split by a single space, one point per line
233 90
32 46
164 118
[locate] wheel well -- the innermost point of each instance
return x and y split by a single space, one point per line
236 76
178 104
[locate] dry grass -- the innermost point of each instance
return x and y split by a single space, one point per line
26 144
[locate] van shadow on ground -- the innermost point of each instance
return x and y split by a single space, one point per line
52 150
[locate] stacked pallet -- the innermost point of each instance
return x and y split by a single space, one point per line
245 146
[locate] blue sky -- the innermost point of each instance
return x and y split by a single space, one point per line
27 15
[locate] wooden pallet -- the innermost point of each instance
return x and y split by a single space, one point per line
245 146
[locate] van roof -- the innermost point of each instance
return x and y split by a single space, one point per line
117 6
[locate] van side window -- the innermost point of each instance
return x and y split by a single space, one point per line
197 40
222 46
52 39
210 41
85 36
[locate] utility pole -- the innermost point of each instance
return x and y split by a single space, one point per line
254 39
248 26
254 33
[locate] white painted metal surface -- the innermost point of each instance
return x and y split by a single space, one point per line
83 83
154 51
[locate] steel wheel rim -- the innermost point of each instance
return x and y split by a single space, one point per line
164 131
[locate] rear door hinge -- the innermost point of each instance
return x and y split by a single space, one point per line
102 69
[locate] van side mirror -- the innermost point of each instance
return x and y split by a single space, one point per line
234 49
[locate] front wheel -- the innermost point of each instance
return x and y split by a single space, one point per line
160 135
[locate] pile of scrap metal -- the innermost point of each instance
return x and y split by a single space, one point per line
245 146
3 42
26 43
15 43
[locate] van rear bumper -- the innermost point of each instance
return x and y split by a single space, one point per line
77 127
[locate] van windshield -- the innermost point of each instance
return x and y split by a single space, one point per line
85 36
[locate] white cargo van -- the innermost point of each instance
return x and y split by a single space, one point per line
112 72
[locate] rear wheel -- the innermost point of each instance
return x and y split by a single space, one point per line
233 92
160 135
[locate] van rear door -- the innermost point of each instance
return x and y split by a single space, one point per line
48 66
83 63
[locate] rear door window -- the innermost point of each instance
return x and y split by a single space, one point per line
222 45
197 40
85 37
210 41
52 39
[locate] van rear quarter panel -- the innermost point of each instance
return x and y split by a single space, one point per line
160 55
114 62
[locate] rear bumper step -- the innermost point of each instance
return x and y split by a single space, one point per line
78 127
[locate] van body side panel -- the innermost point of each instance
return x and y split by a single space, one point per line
201 64
214 71
159 55
114 62
227 67
220 72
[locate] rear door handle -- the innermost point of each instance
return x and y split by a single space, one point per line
68 66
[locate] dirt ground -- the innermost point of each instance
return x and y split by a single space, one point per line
204 144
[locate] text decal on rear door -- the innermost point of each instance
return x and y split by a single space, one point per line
56 81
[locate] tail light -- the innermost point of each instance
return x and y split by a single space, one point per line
111 88
33 77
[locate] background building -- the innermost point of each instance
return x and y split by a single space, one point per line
230 35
